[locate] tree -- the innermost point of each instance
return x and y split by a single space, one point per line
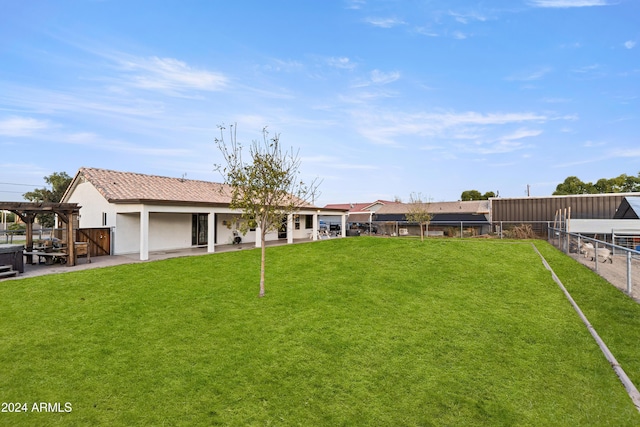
620 184
469 195
573 185
59 181
418 212
265 188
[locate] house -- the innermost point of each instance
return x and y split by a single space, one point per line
145 213
469 217
358 213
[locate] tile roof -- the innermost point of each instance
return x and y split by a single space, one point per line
357 207
129 187
476 206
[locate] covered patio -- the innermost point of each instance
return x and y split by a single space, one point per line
134 258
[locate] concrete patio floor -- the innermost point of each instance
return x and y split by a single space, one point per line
110 260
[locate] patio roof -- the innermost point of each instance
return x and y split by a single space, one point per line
27 211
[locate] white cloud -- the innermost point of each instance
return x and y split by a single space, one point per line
376 77
170 74
531 75
426 32
389 127
286 66
22 126
381 78
499 147
342 62
629 44
626 152
522 133
590 144
568 3
464 18
459 35
385 22
355 4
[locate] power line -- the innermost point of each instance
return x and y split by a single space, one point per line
15 183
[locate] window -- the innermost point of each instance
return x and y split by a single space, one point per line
308 223
297 222
104 219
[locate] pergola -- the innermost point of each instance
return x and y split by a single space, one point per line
66 213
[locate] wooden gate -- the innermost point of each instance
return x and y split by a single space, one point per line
99 240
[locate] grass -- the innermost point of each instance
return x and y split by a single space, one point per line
360 331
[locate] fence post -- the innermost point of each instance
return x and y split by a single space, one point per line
628 273
595 253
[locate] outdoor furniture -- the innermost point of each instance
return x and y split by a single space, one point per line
49 258
11 256
82 248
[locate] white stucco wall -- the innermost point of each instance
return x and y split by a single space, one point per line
227 223
92 206
303 232
127 235
169 231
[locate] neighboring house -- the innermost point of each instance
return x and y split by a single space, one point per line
447 217
358 212
154 213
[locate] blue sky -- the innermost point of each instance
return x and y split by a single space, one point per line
382 98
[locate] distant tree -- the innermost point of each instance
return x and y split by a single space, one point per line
469 195
573 185
59 181
418 212
620 184
631 184
266 187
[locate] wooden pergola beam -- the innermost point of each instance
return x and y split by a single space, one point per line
27 211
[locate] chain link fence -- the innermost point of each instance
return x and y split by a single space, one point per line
619 265
458 229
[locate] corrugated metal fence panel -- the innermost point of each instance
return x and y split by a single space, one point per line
545 208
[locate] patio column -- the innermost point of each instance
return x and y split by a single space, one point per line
211 232
71 241
289 228
343 226
258 234
144 233
315 227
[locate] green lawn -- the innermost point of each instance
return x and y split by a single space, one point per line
358 331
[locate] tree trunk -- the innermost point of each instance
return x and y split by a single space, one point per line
421 232
262 259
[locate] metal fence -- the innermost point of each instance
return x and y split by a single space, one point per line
19 236
619 265
457 229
